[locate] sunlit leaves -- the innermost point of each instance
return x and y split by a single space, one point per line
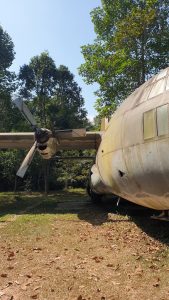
132 43
6 50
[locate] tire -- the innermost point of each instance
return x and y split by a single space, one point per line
95 198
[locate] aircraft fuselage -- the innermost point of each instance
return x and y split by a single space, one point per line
133 157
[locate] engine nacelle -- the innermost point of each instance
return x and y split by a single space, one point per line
48 149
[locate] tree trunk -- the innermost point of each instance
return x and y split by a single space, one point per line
46 175
143 71
15 184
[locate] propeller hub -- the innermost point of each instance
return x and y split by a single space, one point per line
42 135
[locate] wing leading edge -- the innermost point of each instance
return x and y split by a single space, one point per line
73 139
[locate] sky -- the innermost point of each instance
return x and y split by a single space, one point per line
59 26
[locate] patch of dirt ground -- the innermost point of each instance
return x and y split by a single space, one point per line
64 247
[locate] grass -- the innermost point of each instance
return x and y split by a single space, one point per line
39 207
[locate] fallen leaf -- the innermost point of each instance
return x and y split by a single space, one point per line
37 288
154 267
10 267
98 258
4 275
11 254
57 257
139 271
37 249
34 296
117 267
156 284
115 283
23 287
29 282
110 265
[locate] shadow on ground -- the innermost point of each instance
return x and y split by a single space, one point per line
78 203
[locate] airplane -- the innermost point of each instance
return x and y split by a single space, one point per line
132 148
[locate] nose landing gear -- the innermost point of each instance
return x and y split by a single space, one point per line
96 198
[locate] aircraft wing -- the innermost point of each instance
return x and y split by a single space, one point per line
16 140
71 139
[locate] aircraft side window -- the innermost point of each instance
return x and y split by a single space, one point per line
149 123
162 120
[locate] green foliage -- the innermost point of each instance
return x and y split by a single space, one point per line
8 167
56 98
7 80
66 108
132 43
70 173
6 50
37 82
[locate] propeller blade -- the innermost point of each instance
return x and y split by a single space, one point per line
27 161
25 111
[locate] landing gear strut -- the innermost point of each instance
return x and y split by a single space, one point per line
164 216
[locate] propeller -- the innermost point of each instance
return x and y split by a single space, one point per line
27 161
41 135
25 112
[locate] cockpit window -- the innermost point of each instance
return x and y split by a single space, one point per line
145 94
150 128
162 120
162 74
157 88
167 83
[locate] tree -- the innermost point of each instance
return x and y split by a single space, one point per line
37 82
132 43
6 79
57 99
66 108
6 50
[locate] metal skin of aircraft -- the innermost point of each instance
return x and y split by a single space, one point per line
132 149
132 160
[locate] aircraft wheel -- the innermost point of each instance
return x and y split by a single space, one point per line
96 198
